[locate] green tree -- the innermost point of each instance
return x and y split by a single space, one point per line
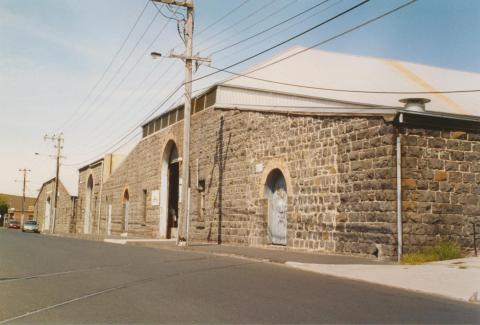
3 206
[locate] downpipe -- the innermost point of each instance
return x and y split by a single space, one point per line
399 198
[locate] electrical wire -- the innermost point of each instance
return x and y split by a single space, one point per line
283 30
128 117
161 12
145 120
264 51
133 67
343 90
252 25
285 41
223 17
280 60
244 18
94 102
119 68
349 90
109 65
150 114
269 28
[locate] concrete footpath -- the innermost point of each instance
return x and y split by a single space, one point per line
454 279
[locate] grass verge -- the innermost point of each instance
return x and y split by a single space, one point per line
446 250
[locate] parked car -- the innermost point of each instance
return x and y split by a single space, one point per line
30 226
14 224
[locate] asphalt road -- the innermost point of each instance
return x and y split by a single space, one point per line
45 279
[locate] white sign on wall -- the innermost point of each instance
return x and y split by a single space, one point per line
155 201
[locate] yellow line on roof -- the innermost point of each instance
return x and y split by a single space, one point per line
422 83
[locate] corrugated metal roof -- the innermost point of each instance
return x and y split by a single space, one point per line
324 69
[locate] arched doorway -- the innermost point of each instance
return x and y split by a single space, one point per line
276 193
46 220
169 191
87 224
126 200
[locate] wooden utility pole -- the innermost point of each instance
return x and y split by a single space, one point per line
188 58
24 171
58 139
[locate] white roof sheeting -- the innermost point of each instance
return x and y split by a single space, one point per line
344 71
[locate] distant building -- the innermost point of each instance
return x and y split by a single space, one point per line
63 219
90 186
15 211
311 161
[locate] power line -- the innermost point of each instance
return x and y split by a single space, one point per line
348 90
270 28
285 41
344 90
110 64
128 73
288 28
282 59
223 17
120 67
245 17
150 114
161 12
250 26
94 104
154 111
132 68
129 117
247 59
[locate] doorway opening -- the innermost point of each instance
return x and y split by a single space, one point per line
46 221
276 192
126 200
87 224
170 189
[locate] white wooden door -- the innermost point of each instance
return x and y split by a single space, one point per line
277 212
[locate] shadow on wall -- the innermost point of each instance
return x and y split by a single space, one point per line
220 159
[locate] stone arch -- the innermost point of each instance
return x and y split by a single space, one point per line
87 217
169 189
269 167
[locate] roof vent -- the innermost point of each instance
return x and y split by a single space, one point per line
415 104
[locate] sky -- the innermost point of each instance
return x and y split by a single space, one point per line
54 56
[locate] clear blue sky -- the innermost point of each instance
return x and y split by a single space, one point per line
52 52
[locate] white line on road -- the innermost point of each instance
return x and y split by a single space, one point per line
123 286
75 299
97 268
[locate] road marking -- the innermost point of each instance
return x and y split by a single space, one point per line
97 268
123 286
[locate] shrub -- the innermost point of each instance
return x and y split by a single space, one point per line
445 250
